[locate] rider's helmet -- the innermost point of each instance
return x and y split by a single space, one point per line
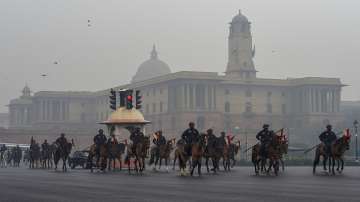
62 134
209 131
266 126
192 125
223 134
159 132
101 131
329 127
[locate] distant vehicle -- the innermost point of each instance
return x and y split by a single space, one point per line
78 158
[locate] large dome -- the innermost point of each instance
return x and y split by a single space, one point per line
151 68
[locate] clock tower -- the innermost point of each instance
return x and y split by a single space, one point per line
240 49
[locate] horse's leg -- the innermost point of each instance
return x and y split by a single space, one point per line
192 168
128 162
324 161
207 164
166 164
160 159
199 167
282 164
342 164
316 162
175 157
333 165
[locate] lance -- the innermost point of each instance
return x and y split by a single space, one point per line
258 142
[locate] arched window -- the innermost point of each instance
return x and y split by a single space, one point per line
227 107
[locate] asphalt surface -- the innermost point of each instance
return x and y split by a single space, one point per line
295 184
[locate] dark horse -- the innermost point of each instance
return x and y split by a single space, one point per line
233 150
35 155
337 152
101 162
47 156
183 157
115 153
139 153
62 152
214 150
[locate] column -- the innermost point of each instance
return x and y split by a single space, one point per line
185 97
206 100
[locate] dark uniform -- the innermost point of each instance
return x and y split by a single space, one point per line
136 137
99 139
328 137
190 136
62 141
211 137
45 146
160 140
265 137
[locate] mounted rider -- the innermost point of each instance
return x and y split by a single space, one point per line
3 148
45 145
136 137
190 136
99 140
328 137
62 141
210 137
265 137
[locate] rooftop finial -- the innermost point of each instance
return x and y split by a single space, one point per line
154 54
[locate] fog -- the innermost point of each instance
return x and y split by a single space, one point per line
293 39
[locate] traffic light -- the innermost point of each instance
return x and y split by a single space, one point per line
112 99
129 99
122 98
138 99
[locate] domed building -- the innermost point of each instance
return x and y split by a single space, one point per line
151 68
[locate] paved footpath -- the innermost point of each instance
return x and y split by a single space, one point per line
295 184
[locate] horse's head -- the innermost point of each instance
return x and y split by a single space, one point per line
346 139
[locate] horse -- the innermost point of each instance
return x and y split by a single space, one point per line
34 154
139 153
283 149
47 157
26 158
337 152
214 150
182 155
115 153
320 152
233 151
197 152
102 159
256 158
2 158
164 152
16 156
62 152
274 154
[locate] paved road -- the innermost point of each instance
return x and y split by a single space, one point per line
295 184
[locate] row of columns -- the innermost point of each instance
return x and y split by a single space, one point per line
319 100
20 115
52 110
197 96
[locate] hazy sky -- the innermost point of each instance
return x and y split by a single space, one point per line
293 39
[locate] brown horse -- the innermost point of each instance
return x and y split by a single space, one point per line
320 152
197 152
232 152
256 158
139 153
183 157
164 153
102 163
115 153
337 152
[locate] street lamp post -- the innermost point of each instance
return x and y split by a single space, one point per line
356 124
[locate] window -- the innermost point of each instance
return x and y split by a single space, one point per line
154 108
227 91
269 94
283 94
283 108
154 91
248 107
161 107
227 107
161 91
248 93
147 108
269 108
147 93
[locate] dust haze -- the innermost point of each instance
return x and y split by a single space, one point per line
92 45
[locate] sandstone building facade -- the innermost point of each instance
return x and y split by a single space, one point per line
238 102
